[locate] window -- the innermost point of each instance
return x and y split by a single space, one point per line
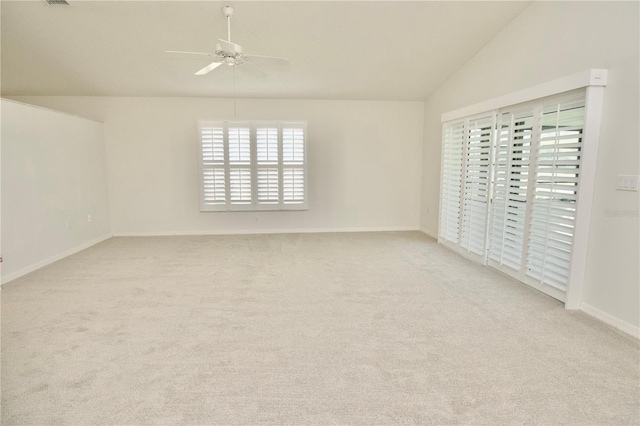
252 165
510 185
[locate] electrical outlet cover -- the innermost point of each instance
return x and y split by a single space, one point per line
627 183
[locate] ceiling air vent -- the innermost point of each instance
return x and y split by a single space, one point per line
57 2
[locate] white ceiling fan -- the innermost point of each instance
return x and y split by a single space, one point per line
231 54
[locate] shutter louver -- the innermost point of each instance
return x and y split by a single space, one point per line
555 186
511 178
239 154
268 186
453 140
212 139
267 154
477 163
293 185
240 185
214 188
267 145
239 145
292 146
212 145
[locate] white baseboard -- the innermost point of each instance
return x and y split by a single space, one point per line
263 231
611 320
50 260
429 233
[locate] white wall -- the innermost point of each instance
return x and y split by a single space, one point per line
364 163
550 40
53 171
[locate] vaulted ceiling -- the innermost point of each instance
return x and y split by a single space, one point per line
385 50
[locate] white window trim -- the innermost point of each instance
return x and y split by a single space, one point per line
254 205
594 80
588 78
591 139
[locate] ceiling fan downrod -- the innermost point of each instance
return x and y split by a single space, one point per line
228 13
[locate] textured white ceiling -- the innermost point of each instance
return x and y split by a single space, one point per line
386 50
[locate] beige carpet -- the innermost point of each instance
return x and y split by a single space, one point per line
371 328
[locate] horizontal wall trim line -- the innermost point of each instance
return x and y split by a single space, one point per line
265 231
610 320
55 258
50 110
592 77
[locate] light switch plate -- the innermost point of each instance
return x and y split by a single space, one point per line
627 183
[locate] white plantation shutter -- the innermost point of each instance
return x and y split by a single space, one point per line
252 166
293 160
268 188
240 186
213 165
452 149
292 145
466 179
477 169
293 185
555 190
511 179
214 187
541 185
213 145
268 155
239 145
537 171
267 145
524 173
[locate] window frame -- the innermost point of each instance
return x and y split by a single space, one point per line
255 204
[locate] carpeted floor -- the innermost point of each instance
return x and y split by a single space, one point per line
367 328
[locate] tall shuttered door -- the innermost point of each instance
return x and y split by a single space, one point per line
522 174
466 180
511 180
535 188
477 169
555 191
451 190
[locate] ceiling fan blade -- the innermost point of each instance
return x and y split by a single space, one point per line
212 66
270 60
252 70
228 47
181 52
